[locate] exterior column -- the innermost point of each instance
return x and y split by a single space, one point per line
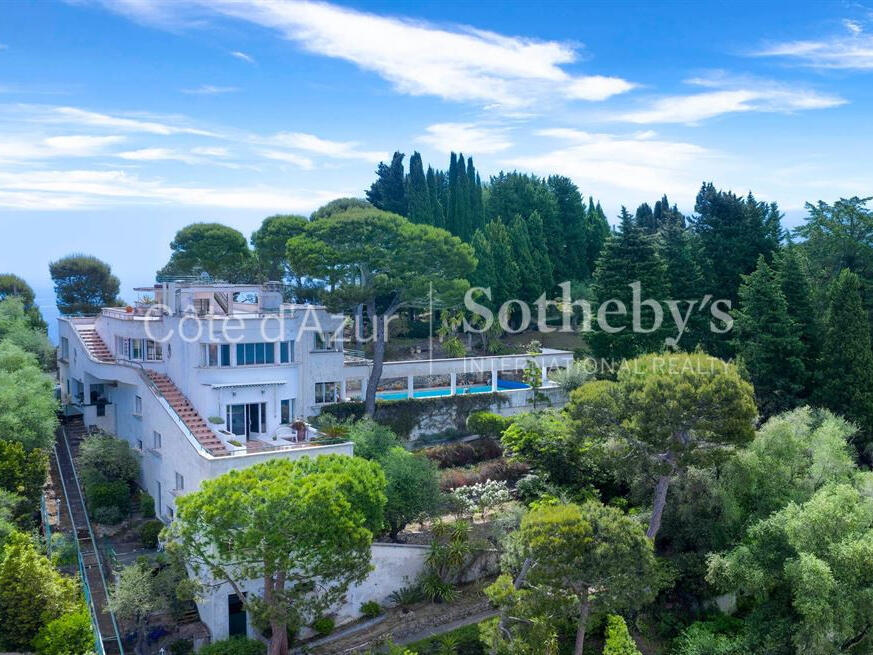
410 385
544 371
453 381
493 375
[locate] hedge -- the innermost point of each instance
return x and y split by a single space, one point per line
403 416
463 453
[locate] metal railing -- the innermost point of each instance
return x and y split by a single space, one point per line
82 572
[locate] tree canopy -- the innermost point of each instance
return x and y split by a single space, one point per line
212 248
83 284
382 262
303 527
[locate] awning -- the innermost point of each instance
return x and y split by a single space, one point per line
248 384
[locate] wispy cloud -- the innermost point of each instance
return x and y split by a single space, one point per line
210 90
289 158
38 148
83 189
850 50
616 164
458 63
243 56
83 117
729 95
465 137
333 149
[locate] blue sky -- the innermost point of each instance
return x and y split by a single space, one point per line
120 122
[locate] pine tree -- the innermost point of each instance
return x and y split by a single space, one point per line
434 181
629 256
794 279
417 193
768 341
388 192
645 219
846 384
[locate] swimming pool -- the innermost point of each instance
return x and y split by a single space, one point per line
434 393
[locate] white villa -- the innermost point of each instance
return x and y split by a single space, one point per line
201 378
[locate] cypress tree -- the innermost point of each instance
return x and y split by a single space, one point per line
628 256
529 274
452 203
794 280
417 193
540 252
596 233
485 274
645 219
507 278
768 341
388 192
475 218
681 252
571 212
462 200
846 384
433 180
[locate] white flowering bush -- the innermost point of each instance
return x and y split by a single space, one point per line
481 497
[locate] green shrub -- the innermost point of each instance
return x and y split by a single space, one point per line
500 469
487 424
371 609
618 639
407 596
454 347
69 634
182 647
115 494
104 458
107 515
234 646
372 441
148 533
323 625
234 442
146 505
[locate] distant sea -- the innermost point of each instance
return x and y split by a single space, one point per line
45 300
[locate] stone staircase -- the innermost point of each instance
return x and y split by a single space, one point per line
95 345
190 416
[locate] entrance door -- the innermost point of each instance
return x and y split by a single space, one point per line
236 616
248 419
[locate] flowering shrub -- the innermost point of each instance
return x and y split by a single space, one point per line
481 496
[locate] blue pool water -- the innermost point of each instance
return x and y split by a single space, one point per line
502 385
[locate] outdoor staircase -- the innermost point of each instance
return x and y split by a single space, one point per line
92 569
93 342
189 415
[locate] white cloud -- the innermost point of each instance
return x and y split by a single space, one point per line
157 154
633 168
456 63
289 157
731 95
850 51
243 56
325 147
36 148
465 137
208 151
82 189
83 117
210 90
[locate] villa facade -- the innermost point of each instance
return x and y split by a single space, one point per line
202 378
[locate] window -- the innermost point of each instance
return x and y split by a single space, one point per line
236 419
139 445
65 348
287 410
180 482
68 386
326 392
153 351
137 406
255 353
170 514
286 352
354 388
136 348
201 306
156 440
214 354
324 341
